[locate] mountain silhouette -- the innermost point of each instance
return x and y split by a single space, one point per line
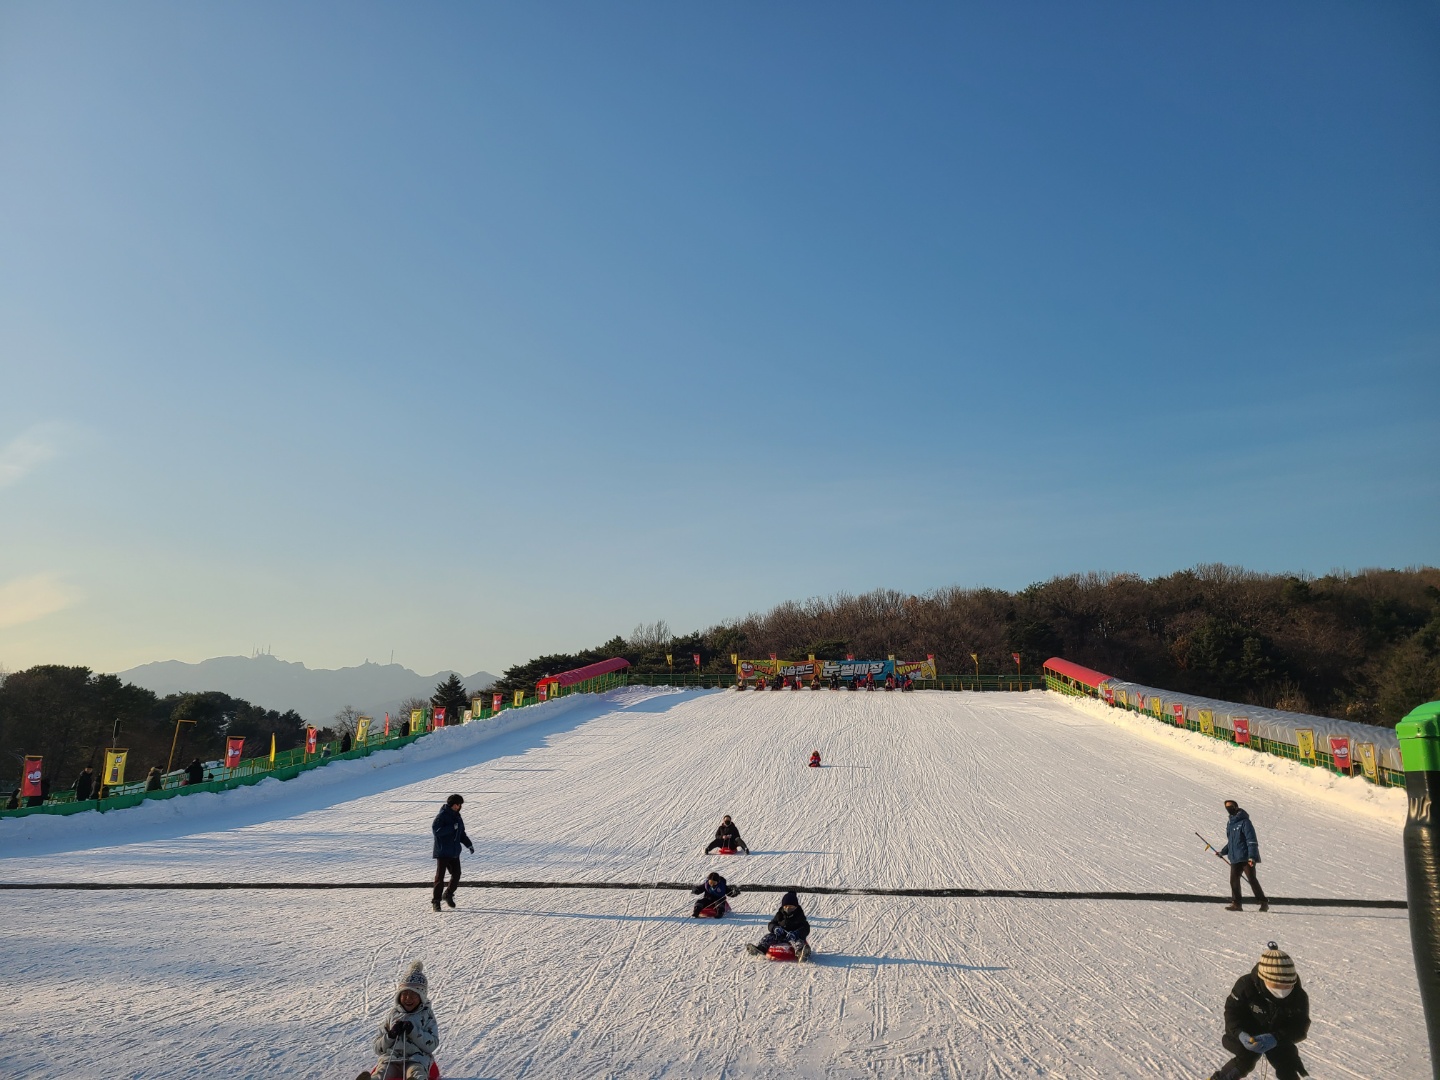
316 694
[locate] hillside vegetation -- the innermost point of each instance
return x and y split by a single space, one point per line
1360 646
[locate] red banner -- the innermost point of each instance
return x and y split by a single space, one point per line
437 717
387 725
234 747
30 783
1109 692
1179 711
1340 751
696 658
1242 729
542 692
311 738
496 702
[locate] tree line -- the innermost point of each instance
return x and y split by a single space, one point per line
1361 646
70 715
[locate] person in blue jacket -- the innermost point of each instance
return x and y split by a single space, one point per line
1243 851
712 893
449 832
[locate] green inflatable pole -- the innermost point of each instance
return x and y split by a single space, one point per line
1419 735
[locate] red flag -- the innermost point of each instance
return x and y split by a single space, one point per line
774 657
849 656
437 718
1242 729
312 737
30 783
697 660
234 747
497 701
1340 751
387 725
1179 710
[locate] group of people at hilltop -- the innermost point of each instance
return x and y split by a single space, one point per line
835 682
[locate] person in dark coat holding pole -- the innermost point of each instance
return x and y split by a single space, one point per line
1267 1013
449 832
1243 851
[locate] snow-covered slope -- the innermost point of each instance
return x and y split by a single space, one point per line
919 790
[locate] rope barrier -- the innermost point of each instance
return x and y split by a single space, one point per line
816 890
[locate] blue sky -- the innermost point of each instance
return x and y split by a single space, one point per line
473 331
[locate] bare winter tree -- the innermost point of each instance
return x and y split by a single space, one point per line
345 721
650 636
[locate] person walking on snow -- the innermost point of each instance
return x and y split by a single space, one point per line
788 927
727 836
1266 1013
449 832
409 1035
1243 851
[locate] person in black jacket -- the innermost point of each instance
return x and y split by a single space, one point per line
85 784
1266 1013
195 772
712 893
727 836
449 832
788 927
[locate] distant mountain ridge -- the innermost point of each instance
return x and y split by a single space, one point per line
316 694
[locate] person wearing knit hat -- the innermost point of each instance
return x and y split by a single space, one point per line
409 1034
1267 1012
449 831
788 927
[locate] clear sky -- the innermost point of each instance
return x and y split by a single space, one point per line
472 330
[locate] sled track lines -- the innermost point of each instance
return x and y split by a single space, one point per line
679 886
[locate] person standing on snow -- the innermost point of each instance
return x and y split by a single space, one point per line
449 832
85 784
1243 851
1267 1013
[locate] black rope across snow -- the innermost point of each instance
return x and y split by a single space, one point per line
685 886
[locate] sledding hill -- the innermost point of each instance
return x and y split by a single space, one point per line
923 790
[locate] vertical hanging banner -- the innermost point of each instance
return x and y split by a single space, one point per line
30 779
1206 720
362 729
115 767
1138 701
1340 751
387 725
735 659
1305 743
519 698
1366 750
1118 698
696 658
497 702
542 692
1157 707
272 749
465 716
312 738
669 660
1242 730
1179 710
477 706
234 748
1108 692
417 721
437 716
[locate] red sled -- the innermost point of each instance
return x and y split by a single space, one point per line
782 952
715 911
386 1072
725 851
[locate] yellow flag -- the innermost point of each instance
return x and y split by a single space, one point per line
975 657
272 749
115 767
669 659
519 698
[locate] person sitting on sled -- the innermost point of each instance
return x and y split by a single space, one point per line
712 892
1266 1013
409 1035
814 759
727 836
788 927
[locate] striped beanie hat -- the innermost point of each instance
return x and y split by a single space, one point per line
414 979
1276 967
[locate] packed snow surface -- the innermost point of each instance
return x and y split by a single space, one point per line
918 790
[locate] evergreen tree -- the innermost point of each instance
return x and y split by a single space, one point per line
451 696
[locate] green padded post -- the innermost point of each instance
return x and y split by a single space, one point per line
1419 735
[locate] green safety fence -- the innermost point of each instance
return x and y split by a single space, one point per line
1384 777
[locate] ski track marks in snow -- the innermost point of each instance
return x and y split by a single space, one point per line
919 790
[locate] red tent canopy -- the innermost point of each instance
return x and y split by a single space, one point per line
1085 675
589 671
